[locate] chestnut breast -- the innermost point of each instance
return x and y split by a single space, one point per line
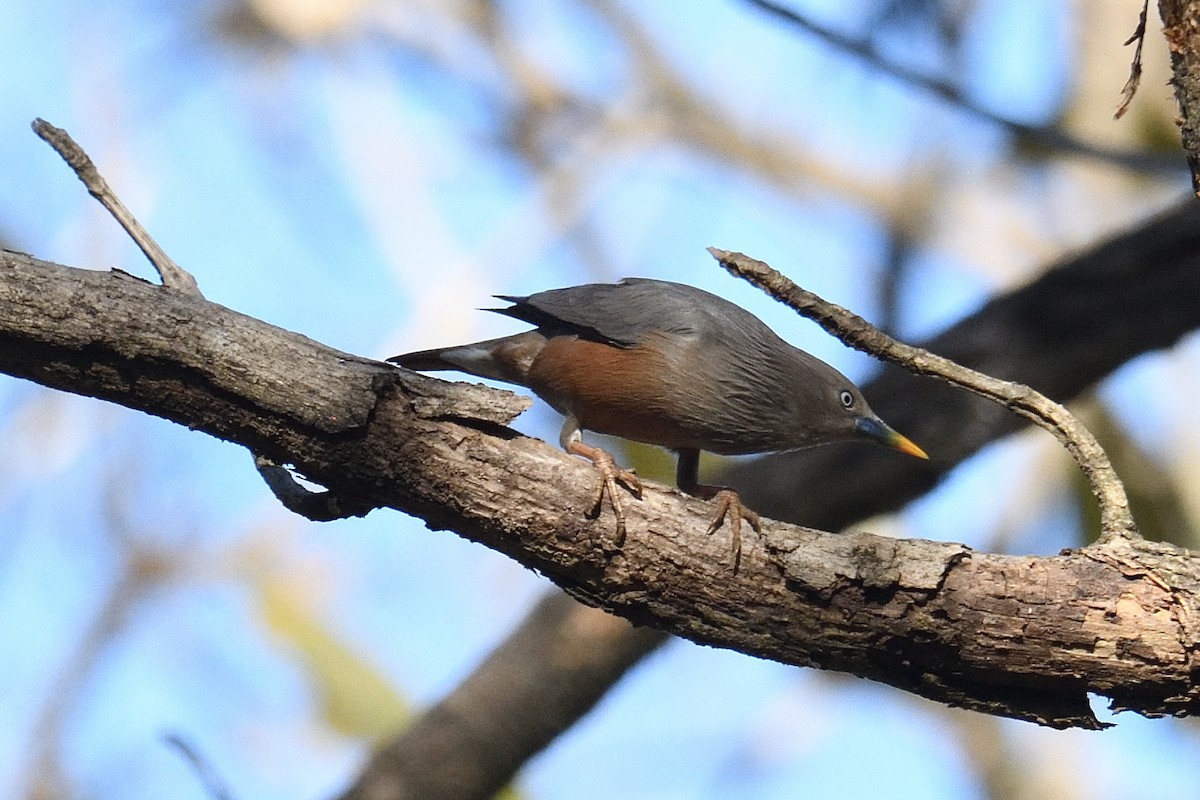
622 391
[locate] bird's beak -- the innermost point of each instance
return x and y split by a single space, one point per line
877 429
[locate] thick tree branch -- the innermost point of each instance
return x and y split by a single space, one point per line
1181 22
1024 637
1065 330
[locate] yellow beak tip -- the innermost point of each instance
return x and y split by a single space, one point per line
905 445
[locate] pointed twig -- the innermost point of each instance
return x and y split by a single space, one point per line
1116 522
317 506
173 276
1135 68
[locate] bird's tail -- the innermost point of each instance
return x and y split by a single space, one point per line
426 360
505 359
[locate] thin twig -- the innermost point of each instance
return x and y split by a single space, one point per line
173 276
47 776
1115 518
317 506
1048 137
204 771
1135 68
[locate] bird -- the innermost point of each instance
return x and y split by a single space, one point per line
666 364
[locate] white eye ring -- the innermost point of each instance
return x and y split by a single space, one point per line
846 398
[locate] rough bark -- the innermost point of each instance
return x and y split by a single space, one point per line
1181 21
1023 637
1063 332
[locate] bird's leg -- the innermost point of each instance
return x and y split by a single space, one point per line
609 476
687 478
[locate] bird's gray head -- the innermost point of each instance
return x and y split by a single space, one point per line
825 406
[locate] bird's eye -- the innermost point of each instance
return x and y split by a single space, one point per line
846 398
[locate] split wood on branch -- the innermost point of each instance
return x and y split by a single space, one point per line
1020 636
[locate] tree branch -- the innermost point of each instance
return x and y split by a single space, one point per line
854 331
1060 334
455 750
1049 138
317 506
1181 21
323 506
1023 637
78 160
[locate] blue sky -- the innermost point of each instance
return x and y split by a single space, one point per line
356 189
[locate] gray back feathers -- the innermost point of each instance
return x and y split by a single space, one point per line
624 313
732 379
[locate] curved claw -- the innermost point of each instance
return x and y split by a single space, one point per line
606 483
730 505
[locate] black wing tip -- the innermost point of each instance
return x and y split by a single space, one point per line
516 301
521 310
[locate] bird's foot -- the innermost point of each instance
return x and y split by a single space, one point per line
606 484
731 506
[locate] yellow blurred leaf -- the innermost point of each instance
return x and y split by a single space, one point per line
357 699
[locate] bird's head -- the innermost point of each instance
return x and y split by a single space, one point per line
831 408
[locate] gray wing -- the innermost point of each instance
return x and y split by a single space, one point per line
623 313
